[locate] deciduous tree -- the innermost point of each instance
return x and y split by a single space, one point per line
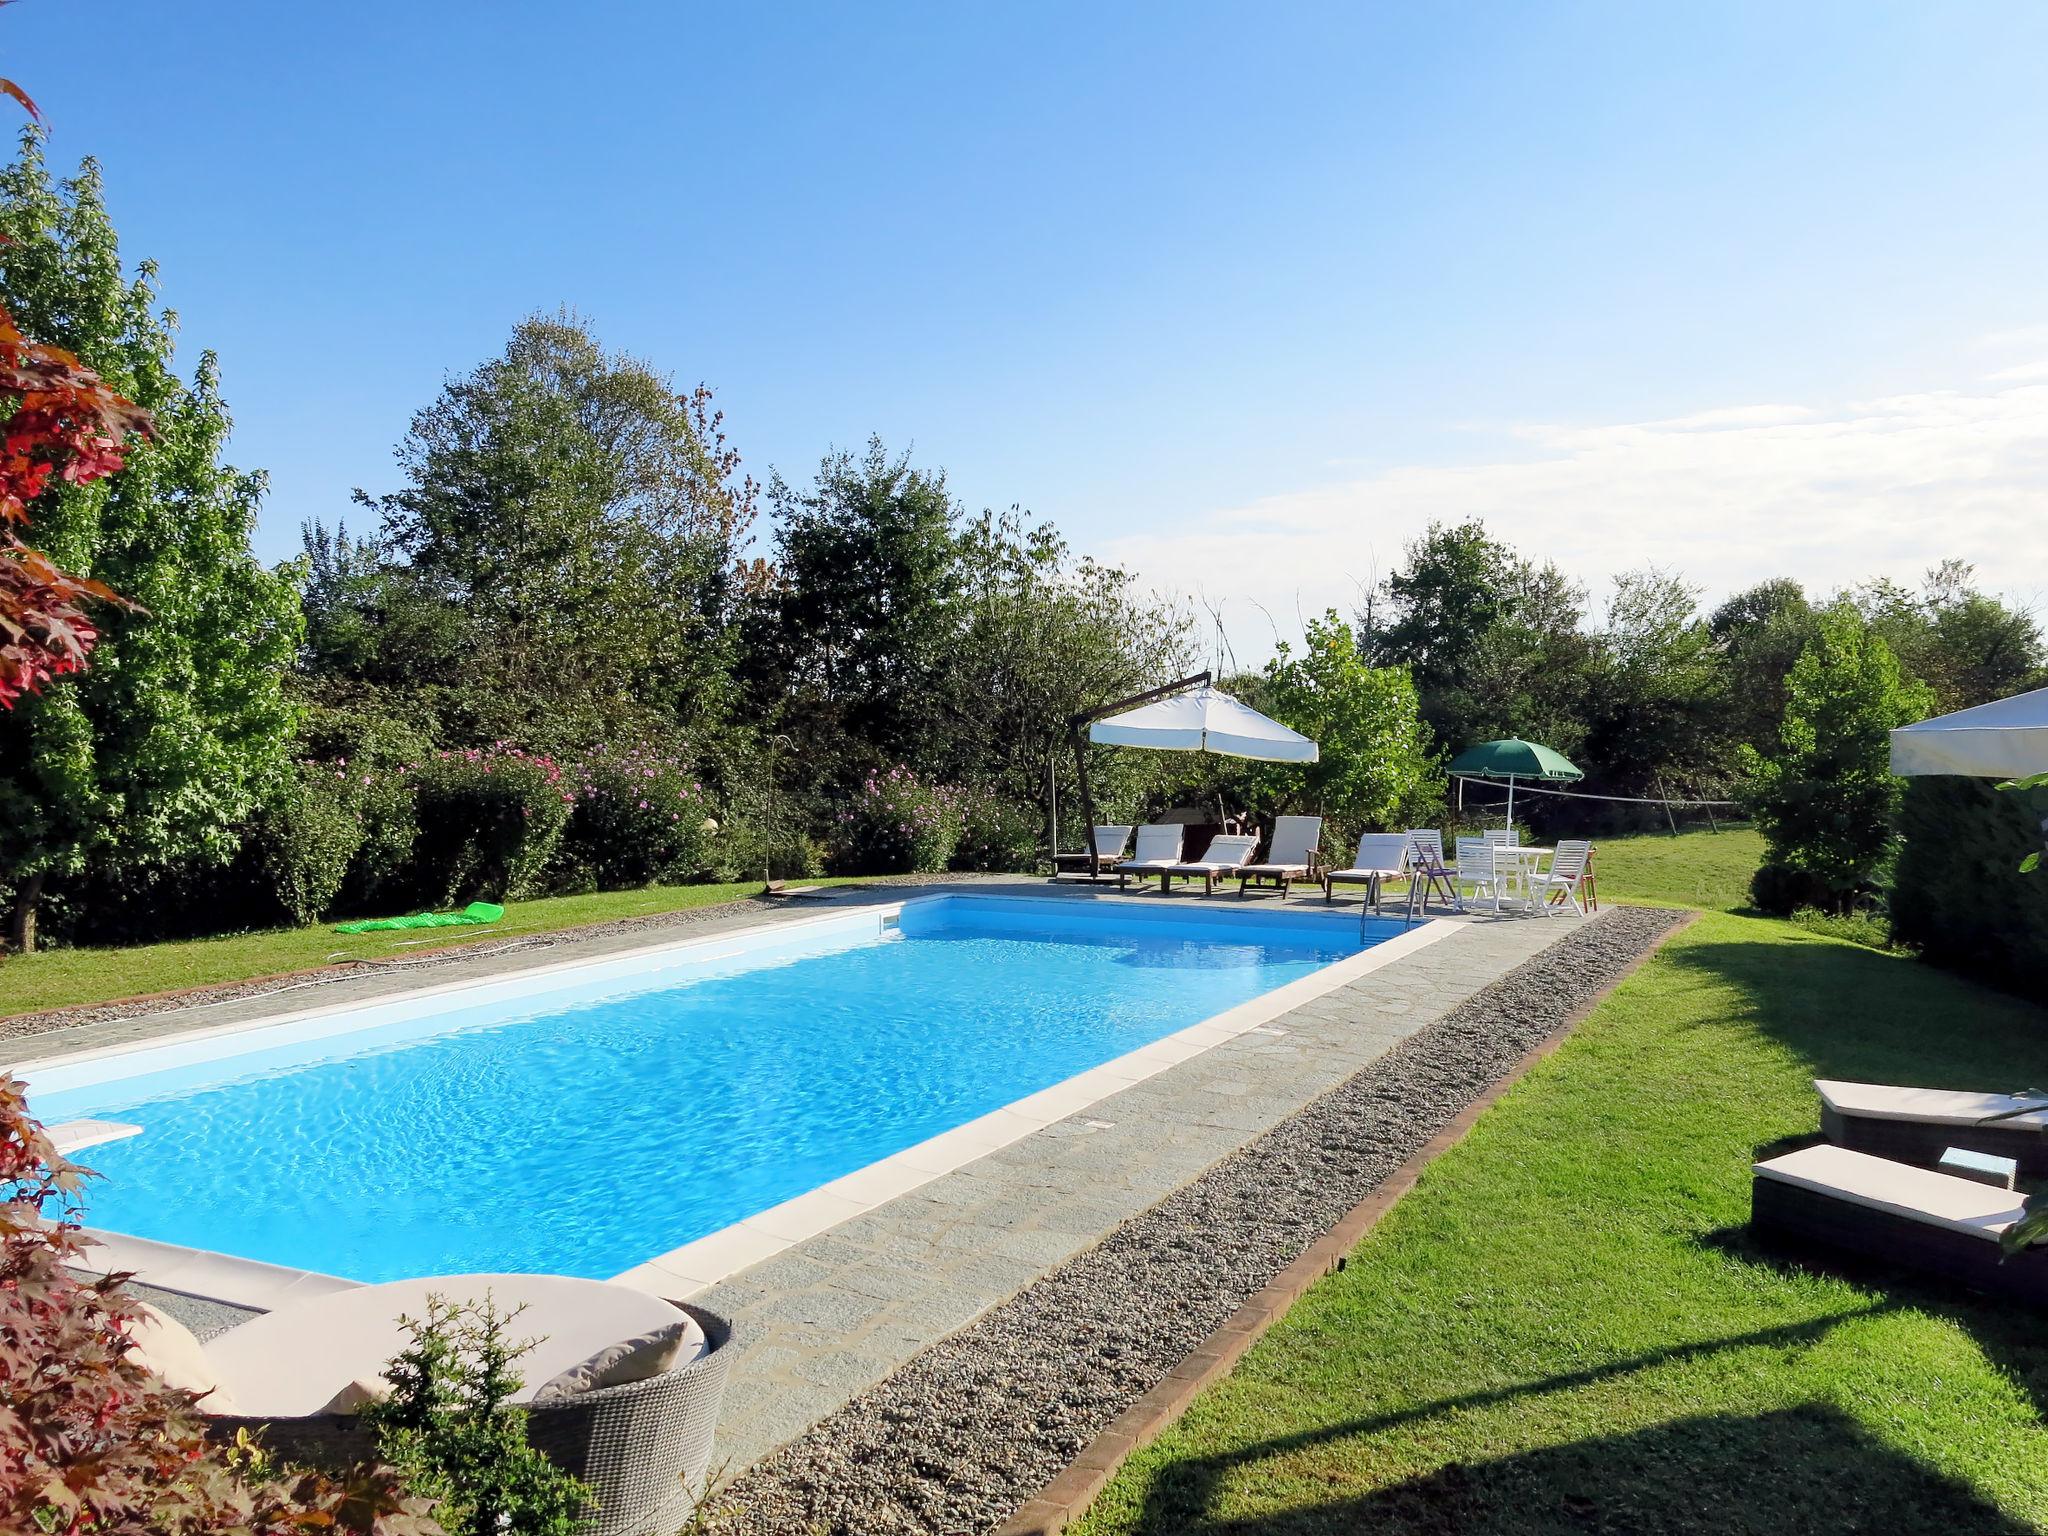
167 745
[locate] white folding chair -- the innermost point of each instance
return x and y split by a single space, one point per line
1476 870
1566 876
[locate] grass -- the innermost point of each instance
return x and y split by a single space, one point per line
1693 869
1566 1327
63 978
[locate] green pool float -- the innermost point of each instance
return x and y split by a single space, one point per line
476 912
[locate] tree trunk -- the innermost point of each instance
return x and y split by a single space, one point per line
21 928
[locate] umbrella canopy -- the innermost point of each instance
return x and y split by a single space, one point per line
1204 720
1513 759
2005 739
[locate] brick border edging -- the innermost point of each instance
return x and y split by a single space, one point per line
1070 1493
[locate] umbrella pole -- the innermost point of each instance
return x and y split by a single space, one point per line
1087 804
1511 802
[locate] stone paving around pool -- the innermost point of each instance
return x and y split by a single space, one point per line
825 1319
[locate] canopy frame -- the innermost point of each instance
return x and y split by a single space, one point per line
1076 724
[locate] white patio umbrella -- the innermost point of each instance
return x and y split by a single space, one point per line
1204 720
2005 739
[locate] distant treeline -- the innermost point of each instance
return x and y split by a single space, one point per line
580 646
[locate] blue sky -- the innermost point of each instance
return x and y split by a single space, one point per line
1239 295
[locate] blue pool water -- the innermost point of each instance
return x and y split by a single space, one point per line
584 1128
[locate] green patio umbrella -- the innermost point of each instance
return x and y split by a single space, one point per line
1511 760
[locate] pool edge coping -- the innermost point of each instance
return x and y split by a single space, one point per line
693 1267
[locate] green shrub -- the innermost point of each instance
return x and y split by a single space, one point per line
450 1431
1958 895
638 817
1825 804
997 834
742 849
308 839
896 825
1865 928
489 820
387 812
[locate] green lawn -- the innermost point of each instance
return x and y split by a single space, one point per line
1693 869
1565 1327
60 978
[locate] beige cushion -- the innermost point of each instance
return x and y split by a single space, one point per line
1927 1106
359 1393
288 1362
1920 1194
629 1360
167 1347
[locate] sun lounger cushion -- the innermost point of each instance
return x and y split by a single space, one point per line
1226 852
1925 1106
167 1347
1897 1189
294 1360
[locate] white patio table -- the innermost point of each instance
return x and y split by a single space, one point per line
1514 865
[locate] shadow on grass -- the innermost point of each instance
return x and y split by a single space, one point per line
1795 1472
1853 1013
1182 1492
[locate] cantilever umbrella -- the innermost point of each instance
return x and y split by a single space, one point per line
1204 720
1511 760
1184 716
2005 739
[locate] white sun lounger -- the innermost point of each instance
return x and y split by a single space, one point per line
1225 855
1110 843
1159 845
1292 855
1380 858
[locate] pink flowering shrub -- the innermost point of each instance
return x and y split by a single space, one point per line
489 822
896 824
635 817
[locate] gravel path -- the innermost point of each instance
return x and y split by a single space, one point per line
963 1434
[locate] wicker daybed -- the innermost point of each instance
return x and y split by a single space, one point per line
1850 1202
1916 1125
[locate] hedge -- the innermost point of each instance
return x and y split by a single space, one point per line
1958 895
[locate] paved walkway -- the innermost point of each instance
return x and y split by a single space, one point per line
838 1312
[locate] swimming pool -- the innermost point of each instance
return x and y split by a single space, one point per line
592 1117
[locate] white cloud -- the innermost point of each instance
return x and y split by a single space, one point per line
1727 496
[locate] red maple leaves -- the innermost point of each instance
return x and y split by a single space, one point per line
66 423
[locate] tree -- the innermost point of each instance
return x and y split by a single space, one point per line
1374 768
857 636
1760 634
1041 637
570 529
1968 647
1825 805
180 731
1655 711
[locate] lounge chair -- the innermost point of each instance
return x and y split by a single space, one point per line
623 1389
1110 843
1159 847
1850 1202
1291 855
1224 856
1381 856
1916 1125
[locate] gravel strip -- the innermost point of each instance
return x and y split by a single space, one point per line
955 1440
23 1025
